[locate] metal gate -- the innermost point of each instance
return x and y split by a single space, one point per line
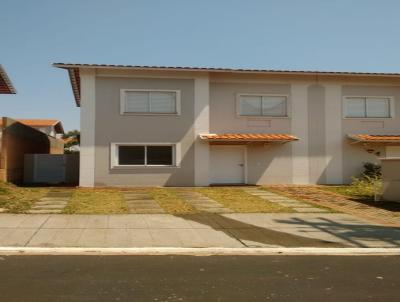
51 168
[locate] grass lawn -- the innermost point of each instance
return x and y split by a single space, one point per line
241 202
96 201
349 191
111 200
19 199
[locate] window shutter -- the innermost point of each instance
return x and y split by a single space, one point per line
355 107
137 101
163 102
274 106
250 105
378 107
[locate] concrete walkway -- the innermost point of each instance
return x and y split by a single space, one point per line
141 203
203 203
53 203
196 230
297 206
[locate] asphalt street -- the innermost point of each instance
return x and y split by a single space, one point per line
191 278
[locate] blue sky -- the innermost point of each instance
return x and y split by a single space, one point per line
340 35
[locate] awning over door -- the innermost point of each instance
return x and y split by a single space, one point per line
384 139
247 138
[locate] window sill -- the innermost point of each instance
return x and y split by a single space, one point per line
264 117
368 118
143 167
149 114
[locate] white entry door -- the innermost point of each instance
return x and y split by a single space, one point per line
227 164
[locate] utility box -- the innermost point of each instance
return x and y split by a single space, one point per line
391 178
51 169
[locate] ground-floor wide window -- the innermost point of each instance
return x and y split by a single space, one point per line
143 155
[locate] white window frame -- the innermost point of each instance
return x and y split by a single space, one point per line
176 155
391 107
239 95
123 101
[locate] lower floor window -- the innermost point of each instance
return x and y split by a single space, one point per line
145 155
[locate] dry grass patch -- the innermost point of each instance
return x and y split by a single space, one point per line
19 199
171 202
239 201
96 201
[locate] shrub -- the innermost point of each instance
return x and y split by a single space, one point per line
372 170
366 186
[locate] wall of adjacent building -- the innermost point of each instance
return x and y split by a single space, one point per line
17 140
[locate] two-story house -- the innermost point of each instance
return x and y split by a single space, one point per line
184 126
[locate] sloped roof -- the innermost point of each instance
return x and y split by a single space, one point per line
41 123
6 87
73 72
369 138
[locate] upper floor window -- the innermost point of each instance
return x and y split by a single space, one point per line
262 105
367 107
140 101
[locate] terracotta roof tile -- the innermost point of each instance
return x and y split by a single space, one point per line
6 87
375 138
40 123
251 137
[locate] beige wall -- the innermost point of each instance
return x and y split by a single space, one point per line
112 127
391 179
322 155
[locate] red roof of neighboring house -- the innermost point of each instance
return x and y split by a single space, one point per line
41 123
6 87
372 138
73 71
249 137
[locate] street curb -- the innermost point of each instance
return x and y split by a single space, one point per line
12 251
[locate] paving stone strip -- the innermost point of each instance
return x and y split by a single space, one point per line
203 203
343 204
53 202
141 203
296 205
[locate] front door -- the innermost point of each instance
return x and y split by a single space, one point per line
227 164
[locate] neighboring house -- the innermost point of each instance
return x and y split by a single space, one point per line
6 87
71 144
52 128
199 126
17 140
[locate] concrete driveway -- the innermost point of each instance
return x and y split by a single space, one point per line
197 230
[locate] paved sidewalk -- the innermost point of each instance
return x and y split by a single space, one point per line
196 230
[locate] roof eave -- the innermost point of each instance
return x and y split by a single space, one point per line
228 70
